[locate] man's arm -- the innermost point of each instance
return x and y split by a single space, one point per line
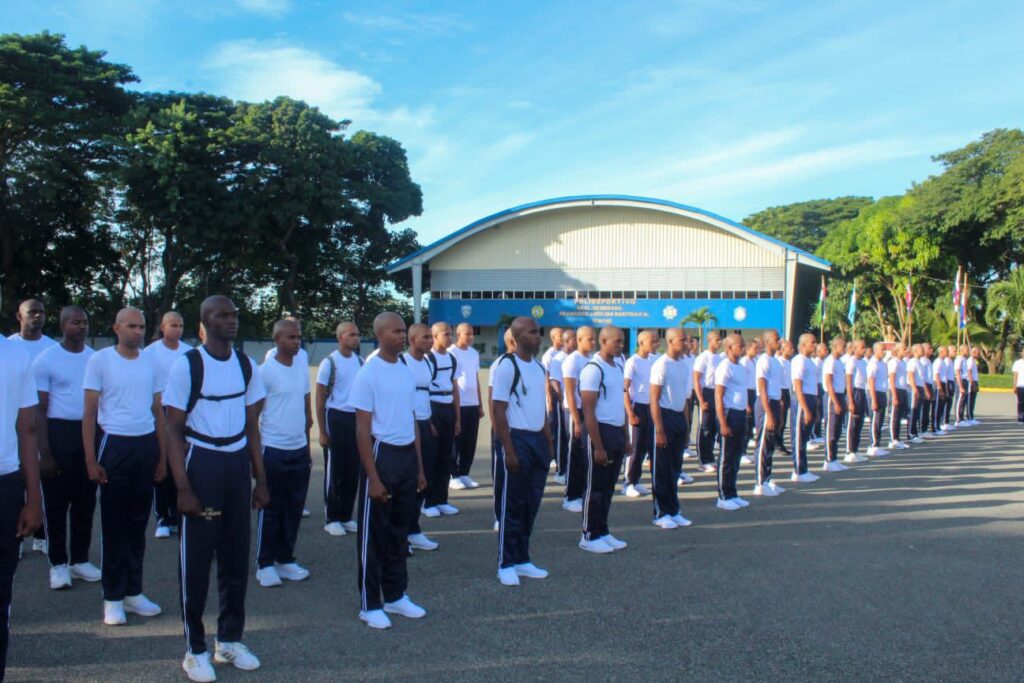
831 390
501 428
47 465
593 431
895 393
798 389
912 383
630 415
698 386
188 503
260 493
96 472
872 392
161 438
364 442
850 403
309 416
723 424
659 427
321 414
457 403
421 477
766 405
31 515
570 398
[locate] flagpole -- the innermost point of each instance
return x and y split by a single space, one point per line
823 309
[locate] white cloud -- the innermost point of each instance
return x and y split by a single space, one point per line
409 23
270 8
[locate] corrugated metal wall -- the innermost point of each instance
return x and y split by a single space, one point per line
608 278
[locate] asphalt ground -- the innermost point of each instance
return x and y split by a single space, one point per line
906 568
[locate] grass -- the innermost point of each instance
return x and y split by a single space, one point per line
995 381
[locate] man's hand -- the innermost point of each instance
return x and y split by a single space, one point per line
324 440
29 519
511 462
458 427
260 496
600 457
480 412
769 422
378 492
838 407
48 466
874 406
659 437
97 474
188 503
433 430
808 418
634 419
421 482
703 405
577 431
726 429
160 473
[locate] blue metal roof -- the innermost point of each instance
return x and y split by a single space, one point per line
604 197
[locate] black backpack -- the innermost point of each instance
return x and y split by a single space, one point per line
601 388
517 374
432 359
332 374
196 374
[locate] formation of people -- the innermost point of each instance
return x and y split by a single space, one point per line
200 437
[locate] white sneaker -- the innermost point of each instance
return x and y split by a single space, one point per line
335 529
752 443
684 478
665 522
421 542
141 605
763 490
974 422
559 479
350 526
643 490
573 505
833 466
741 502
113 612
86 571
687 455
375 618
805 478
873 451
615 543
447 510
456 484
854 457
268 577
430 512
729 504
681 521
236 654
469 483
291 571
927 435
405 607
746 460
902 446
597 546
40 545
60 577
813 446
305 512
632 491
530 571
162 532
774 487
948 427
708 469
497 525
917 439
198 668
508 576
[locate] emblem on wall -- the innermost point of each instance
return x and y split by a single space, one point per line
467 311
739 314
670 312
537 312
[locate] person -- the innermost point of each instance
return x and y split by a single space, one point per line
212 400
336 420
877 394
972 385
670 387
21 504
122 434
555 333
420 342
556 412
899 401
467 361
748 361
384 396
1018 385
929 427
67 490
31 317
949 376
446 417
939 383
834 381
524 450
601 386
301 358
704 387
164 352
510 347
686 358
856 399
961 373
785 358
805 390
916 389
576 471
638 411
285 420
820 354
768 374
731 409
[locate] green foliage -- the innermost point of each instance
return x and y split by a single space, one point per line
701 318
806 224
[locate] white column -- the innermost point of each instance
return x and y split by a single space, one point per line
789 293
417 292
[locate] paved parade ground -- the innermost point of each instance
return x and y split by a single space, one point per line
904 568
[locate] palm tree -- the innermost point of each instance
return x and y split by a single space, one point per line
700 317
944 327
1005 310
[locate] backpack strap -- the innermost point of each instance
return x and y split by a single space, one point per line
196 376
332 373
600 387
432 359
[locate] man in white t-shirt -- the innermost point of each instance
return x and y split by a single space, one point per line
285 420
421 340
834 381
768 375
336 419
899 396
560 429
941 390
856 399
671 387
749 363
821 352
972 384
510 347
951 394
929 425
384 396
638 410
785 358
601 387
524 450
446 416
164 352
555 333
122 434
961 375
731 409
470 408
877 385
1018 385
917 389
805 395
576 470
214 453
67 490
21 506
704 389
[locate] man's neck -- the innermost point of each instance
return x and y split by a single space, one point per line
674 355
416 354
643 354
126 351
171 344
29 335
607 357
346 353
73 346
386 355
439 350
523 355
218 348
284 359
462 347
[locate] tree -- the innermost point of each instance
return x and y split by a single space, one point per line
1005 313
806 224
701 317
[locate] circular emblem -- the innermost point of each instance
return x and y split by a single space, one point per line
537 311
467 311
739 314
670 312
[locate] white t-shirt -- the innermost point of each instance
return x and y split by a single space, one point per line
443 363
165 357
387 391
420 370
466 373
571 367
638 372
926 370
126 391
545 360
17 391
526 409
834 366
899 369
220 378
610 409
947 370
733 377
879 371
972 369
819 363
787 372
769 368
60 373
705 364
749 365
301 358
32 348
960 368
345 370
675 377
283 419
915 366
805 370
1018 367
858 367
554 366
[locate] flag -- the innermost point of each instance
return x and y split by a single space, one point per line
821 301
909 298
956 294
852 313
963 304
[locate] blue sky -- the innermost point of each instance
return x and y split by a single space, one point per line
728 105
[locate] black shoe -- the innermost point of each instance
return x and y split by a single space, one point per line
783 450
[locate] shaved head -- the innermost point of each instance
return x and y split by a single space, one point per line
284 327
389 328
130 328
388 319
69 312
463 327
672 334
343 327
526 332
170 316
